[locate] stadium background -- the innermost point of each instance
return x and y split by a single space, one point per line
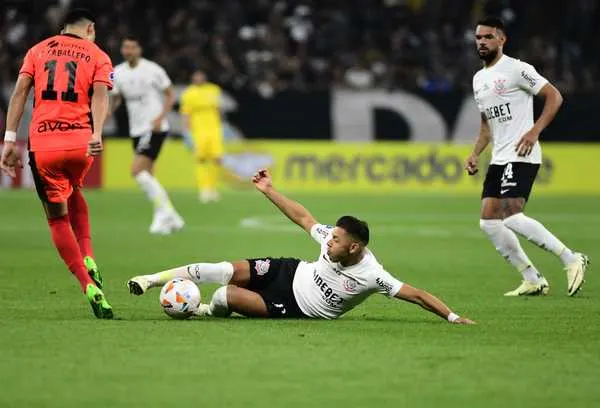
337 75
350 96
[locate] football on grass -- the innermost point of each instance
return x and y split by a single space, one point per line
180 298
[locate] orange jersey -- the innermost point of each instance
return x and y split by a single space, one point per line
64 69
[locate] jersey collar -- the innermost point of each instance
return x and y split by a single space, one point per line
502 58
72 36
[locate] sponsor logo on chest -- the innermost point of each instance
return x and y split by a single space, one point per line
328 295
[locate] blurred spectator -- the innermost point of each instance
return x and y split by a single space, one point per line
270 45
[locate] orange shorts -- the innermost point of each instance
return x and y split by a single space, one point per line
55 173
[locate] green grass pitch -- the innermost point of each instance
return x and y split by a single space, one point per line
527 352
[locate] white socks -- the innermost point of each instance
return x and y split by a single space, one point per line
154 190
507 244
535 232
221 273
218 304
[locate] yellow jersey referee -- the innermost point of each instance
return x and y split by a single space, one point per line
200 110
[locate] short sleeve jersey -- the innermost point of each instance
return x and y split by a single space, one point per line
64 69
504 95
326 289
142 87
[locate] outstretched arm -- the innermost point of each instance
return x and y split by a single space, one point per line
292 209
429 302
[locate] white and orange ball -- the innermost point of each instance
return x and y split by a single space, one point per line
180 298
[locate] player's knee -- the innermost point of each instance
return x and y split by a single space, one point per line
219 304
141 176
512 207
482 225
140 165
137 171
488 226
55 210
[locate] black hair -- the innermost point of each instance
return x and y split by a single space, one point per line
131 37
77 15
492 21
358 229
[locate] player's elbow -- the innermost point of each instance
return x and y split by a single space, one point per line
19 94
307 223
420 297
100 91
552 95
411 294
559 98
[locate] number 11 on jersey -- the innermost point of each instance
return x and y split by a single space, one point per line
50 93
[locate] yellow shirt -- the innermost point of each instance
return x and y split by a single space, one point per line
201 104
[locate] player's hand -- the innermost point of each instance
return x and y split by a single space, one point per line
10 159
528 140
464 320
472 164
95 146
262 180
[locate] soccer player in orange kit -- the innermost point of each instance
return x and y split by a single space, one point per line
71 77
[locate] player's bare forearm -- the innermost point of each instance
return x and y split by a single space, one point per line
168 103
552 103
99 107
483 139
424 299
17 102
291 209
115 102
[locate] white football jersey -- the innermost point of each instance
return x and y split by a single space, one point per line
504 95
326 289
142 88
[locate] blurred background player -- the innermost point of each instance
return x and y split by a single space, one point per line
63 140
200 110
149 97
504 90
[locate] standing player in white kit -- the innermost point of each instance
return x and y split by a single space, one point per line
149 97
504 90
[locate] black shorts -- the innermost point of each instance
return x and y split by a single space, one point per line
272 279
149 145
511 180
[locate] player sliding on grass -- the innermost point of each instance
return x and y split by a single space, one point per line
504 90
344 275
